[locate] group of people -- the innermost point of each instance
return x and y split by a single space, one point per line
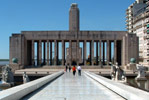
74 69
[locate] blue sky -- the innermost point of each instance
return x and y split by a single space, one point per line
19 15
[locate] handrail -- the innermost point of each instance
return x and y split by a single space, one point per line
127 92
20 91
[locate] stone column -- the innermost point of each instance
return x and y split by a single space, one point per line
97 52
40 52
50 52
103 52
84 51
77 52
110 51
100 62
115 51
107 52
92 54
55 52
63 52
44 53
57 59
70 47
33 54
124 60
47 52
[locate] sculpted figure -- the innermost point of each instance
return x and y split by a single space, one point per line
7 75
25 78
113 71
120 75
141 71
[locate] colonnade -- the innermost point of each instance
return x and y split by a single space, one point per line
103 56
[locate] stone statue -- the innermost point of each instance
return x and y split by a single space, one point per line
7 75
25 78
120 75
113 71
141 71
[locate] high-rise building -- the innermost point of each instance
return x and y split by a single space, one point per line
129 19
137 22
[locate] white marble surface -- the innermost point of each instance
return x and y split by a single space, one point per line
128 92
17 92
69 87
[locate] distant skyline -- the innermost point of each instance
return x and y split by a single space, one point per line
26 15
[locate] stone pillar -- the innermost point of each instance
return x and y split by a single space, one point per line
44 53
55 52
124 52
110 51
100 62
57 59
84 51
141 82
103 52
50 52
63 52
70 52
33 54
77 52
97 52
115 51
107 52
47 52
92 54
40 52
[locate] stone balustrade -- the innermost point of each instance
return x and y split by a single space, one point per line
20 91
127 92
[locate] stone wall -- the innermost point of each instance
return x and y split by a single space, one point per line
67 35
16 50
15 67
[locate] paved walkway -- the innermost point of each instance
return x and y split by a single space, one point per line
69 87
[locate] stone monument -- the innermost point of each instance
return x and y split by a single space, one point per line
7 76
141 79
43 47
113 71
117 73
141 71
25 78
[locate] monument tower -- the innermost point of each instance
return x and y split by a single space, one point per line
74 18
74 52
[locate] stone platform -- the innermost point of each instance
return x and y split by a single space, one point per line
46 71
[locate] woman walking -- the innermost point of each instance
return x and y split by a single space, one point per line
74 70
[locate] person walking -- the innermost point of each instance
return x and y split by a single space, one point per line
74 70
69 68
79 70
66 68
